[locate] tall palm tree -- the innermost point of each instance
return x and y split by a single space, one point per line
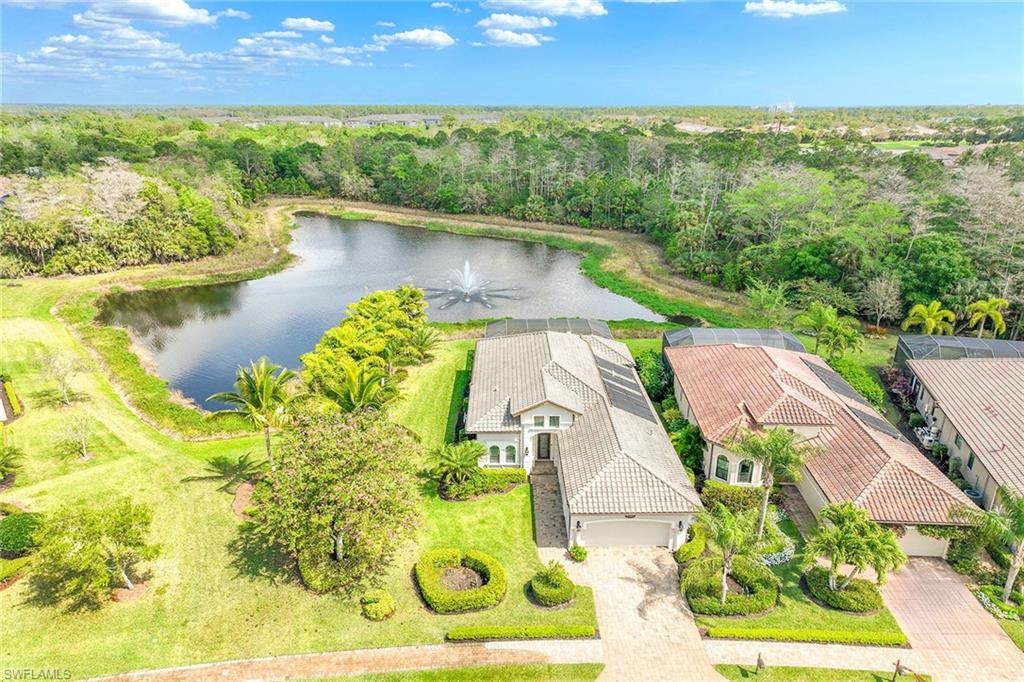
816 319
360 384
779 455
932 318
988 309
1004 523
732 534
262 397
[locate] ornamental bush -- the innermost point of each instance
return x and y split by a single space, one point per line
578 553
551 585
470 633
377 605
692 548
16 533
735 498
486 482
801 635
701 583
860 596
863 381
651 369
430 570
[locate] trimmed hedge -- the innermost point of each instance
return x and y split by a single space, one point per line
430 573
692 548
702 584
486 482
377 605
15 405
863 381
860 596
12 568
797 635
470 633
551 585
16 533
735 498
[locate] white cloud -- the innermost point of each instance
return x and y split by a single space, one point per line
278 34
418 37
515 22
500 37
165 12
407 65
386 24
307 24
452 7
557 8
787 9
235 14
327 40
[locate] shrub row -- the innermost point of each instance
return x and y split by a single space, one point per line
735 498
860 596
469 633
692 548
430 571
552 586
15 405
863 381
16 532
377 605
486 482
702 584
995 596
797 635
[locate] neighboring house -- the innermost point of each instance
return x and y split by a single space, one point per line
573 401
914 347
724 389
407 120
977 409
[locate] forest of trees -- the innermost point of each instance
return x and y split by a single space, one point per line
833 217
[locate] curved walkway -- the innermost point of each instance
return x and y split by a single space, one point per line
394 659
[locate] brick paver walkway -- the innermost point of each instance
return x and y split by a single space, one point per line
947 627
548 522
311 666
805 655
793 503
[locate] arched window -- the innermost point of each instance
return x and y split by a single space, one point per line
495 454
722 468
510 454
746 474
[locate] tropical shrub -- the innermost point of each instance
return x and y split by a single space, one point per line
689 444
701 583
669 403
859 596
10 460
470 633
693 547
486 482
653 375
735 498
16 533
551 585
991 596
430 570
456 463
578 553
862 381
377 605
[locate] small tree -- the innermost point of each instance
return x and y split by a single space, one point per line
931 318
731 534
86 551
10 460
359 385
778 453
881 299
1004 523
768 302
61 368
77 429
848 536
841 337
457 462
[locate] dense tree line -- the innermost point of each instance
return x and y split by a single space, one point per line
834 218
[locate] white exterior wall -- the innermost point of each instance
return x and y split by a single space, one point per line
502 440
711 455
525 440
811 492
914 543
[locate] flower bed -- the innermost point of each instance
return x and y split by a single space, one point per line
860 596
430 572
701 583
990 597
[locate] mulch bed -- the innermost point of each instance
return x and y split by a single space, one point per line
122 594
461 578
241 502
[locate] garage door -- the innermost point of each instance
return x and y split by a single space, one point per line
626 532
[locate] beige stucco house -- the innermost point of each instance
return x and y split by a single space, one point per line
976 407
574 401
726 388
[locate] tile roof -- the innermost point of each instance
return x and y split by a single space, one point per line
729 386
984 400
611 461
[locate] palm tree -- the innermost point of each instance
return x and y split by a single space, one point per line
848 536
779 455
841 337
422 343
817 318
932 318
988 309
1004 523
262 397
457 462
732 534
360 384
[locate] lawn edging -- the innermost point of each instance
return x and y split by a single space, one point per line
477 633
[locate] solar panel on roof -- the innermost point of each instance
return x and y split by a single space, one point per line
624 392
834 381
877 423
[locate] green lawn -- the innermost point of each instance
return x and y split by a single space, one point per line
1015 629
798 618
213 593
577 672
792 674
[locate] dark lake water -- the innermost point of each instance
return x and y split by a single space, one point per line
198 336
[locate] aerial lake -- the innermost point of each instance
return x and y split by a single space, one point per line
197 336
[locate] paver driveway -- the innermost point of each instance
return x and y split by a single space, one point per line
947 627
647 632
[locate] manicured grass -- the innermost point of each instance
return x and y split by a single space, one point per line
798 618
214 592
793 674
1015 629
496 673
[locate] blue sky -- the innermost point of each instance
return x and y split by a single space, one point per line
513 52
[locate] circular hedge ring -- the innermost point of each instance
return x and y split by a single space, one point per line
702 585
430 572
860 596
551 586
